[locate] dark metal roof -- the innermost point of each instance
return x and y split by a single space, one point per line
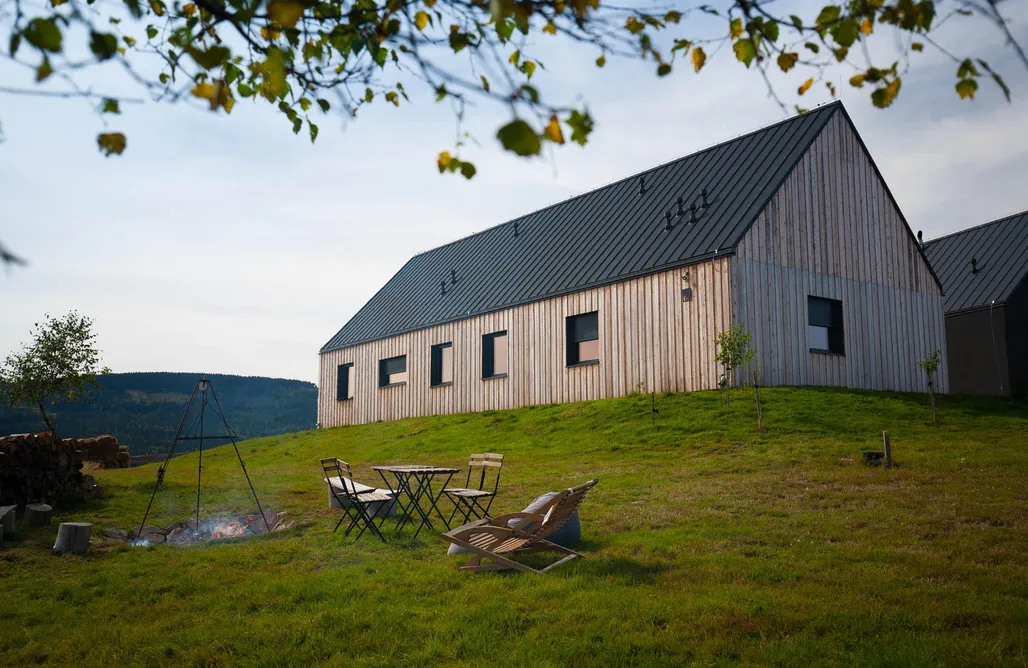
607 235
1001 249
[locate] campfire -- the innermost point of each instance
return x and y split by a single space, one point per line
188 531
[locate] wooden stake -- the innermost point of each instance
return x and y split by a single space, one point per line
888 450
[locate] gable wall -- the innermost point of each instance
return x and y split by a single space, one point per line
650 340
833 231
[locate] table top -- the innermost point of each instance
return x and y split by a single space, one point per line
415 468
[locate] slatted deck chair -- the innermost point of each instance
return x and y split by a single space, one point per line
495 539
354 498
467 500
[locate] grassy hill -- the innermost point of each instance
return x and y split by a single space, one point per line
143 409
706 543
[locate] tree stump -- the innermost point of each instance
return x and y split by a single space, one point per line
7 519
73 537
37 515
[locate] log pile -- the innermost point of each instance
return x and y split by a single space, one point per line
104 450
37 468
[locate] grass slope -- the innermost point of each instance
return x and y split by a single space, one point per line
707 543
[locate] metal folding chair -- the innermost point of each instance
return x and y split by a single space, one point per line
467 500
354 499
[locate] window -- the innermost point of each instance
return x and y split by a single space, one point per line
583 340
392 371
494 355
344 388
824 319
442 364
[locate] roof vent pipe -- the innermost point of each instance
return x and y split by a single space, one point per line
642 185
692 213
704 203
974 265
453 277
681 209
920 239
515 229
668 226
442 287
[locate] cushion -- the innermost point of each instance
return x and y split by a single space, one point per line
568 535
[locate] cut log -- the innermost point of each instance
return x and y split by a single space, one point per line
73 537
7 519
37 515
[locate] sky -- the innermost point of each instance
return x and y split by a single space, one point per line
225 244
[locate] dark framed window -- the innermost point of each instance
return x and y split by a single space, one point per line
442 364
344 386
824 326
583 338
494 355
392 371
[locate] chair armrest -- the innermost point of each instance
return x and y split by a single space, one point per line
464 533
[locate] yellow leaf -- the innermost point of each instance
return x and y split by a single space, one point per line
549 28
917 46
806 86
270 34
857 80
514 58
444 161
189 9
866 26
285 13
787 60
421 20
699 58
111 143
735 28
44 69
553 132
203 90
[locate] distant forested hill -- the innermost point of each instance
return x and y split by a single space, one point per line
143 409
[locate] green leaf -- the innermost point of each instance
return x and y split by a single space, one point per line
967 69
813 47
297 124
796 21
745 50
857 80
325 106
467 170
581 127
917 46
244 89
845 32
44 35
883 97
110 106
151 32
663 69
285 13
771 30
44 69
211 58
528 67
313 130
164 77
787 60
103 45
601 61
111 143
829 14
519 137
305 103
14 44
966 88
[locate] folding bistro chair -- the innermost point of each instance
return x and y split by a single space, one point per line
354 498
467 500
495 539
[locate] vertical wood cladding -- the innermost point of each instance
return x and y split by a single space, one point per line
650 339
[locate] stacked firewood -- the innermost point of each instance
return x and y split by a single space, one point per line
37 468
104 450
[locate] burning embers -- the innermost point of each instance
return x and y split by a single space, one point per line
188 531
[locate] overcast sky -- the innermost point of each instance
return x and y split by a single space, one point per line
227 245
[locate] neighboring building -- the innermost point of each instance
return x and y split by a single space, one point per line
984 272
788 231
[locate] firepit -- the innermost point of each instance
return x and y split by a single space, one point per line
188 531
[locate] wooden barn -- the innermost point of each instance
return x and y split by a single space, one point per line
788 231
984 271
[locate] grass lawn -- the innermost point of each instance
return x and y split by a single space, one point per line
706 543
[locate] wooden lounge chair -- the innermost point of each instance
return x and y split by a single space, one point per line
354 498
493 538
467 500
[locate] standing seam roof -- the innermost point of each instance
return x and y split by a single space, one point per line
1001 249
603 236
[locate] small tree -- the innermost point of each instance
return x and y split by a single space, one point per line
733 351
61 364
930 365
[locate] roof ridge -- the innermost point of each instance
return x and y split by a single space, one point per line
662 165
1001 219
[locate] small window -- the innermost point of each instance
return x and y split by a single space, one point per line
442 364
494 355
392 371
583 340
824 318
344 388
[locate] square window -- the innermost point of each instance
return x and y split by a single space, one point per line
825 330
344 388
392 371
494 355
442 364
583 338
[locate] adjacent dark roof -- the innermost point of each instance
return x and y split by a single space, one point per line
1001 249
607 235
